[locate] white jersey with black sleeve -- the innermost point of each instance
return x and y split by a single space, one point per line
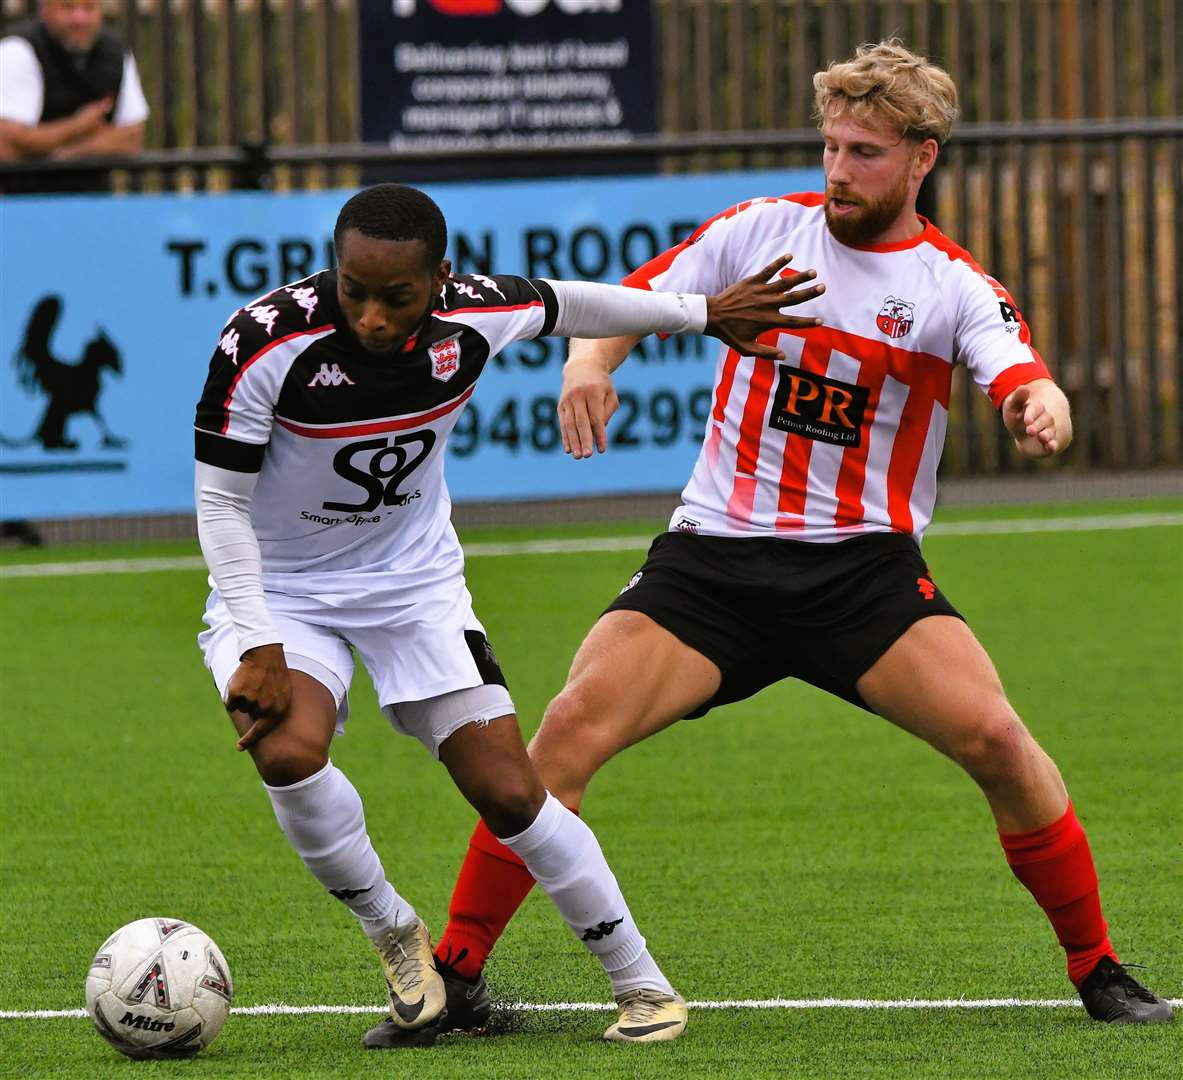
350 508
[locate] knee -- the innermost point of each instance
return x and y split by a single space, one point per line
573 723
282 760
996 747
510 804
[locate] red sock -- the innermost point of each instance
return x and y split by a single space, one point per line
489 889
1055 864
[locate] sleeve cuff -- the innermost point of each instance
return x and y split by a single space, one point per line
268 636
696 305
1006 382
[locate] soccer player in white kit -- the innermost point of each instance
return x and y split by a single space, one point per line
795 552
324 517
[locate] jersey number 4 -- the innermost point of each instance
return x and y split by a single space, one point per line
384 464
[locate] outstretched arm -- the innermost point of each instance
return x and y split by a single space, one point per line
737 316
1038 417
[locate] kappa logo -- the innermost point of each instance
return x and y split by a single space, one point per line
603 930
632 582
464 289
926 587
445 358
331 375
489 284
306 299
265 316
687 525
896 317
229 345
349 894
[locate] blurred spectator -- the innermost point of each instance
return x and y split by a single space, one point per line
68 89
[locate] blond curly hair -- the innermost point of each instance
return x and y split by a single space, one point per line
888 82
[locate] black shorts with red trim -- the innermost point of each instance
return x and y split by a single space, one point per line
764 609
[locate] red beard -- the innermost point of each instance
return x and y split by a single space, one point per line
869 220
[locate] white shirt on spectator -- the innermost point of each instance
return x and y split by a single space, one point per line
22 87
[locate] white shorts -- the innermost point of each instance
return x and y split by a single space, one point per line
417 656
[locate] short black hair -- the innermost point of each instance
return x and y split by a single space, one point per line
395 212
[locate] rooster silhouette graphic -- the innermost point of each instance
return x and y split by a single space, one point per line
72 388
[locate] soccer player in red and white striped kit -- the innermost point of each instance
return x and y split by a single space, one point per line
795 552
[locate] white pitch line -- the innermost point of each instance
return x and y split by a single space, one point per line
102 566
579 545
597 1006
1092 523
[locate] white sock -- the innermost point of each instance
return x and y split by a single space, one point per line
564 857
323 820
642 973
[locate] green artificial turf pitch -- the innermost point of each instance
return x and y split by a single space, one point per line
786 847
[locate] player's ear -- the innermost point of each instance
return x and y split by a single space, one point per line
442 273
926 156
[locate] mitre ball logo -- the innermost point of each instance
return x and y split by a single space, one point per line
896 316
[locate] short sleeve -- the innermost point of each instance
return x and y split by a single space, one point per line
131 107
707 260
22 89
503 308
993 339
236 409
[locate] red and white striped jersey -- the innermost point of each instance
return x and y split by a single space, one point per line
842 437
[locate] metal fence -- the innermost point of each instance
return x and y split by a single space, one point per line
1065 180
227 72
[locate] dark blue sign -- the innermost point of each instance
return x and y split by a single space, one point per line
498 73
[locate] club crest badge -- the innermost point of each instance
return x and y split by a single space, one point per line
445 358
896 316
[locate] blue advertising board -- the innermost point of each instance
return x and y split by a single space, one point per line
110 309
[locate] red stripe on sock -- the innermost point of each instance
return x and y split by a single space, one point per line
1055 864
491 886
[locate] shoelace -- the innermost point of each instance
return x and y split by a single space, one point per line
408 964
1118 975
640 1010
1132 985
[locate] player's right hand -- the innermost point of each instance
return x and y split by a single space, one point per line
262 689
743 311
586 403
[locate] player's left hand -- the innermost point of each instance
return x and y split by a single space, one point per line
1038 417
743 311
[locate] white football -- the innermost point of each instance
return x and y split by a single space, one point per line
158 988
